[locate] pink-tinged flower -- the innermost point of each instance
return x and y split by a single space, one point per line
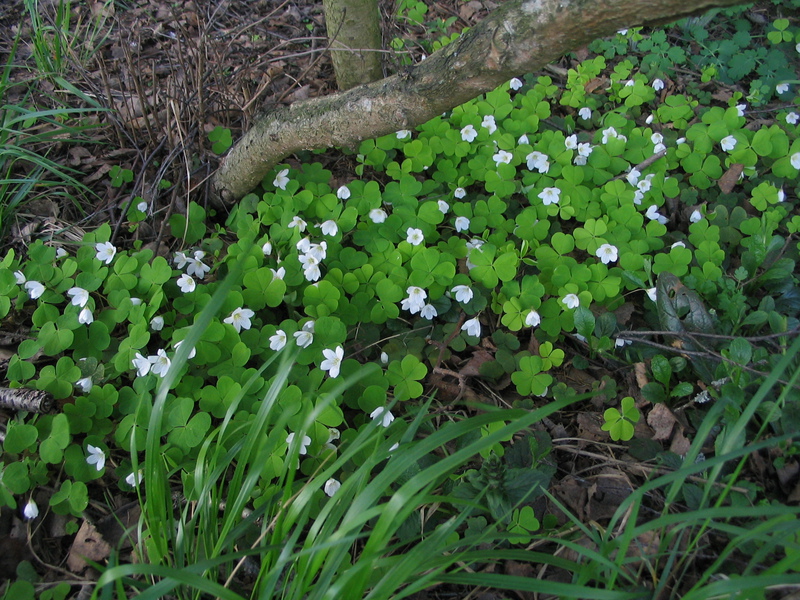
468 133
333 361
550 195
96 457
382 414
377 215
607 253
240 318
472 327
463 293
105 252
414 236
571 301
281 179
533 319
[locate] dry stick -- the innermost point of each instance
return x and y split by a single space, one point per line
25 399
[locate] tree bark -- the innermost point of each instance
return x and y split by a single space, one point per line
519 37
354 31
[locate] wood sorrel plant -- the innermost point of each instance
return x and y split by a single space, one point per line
506 218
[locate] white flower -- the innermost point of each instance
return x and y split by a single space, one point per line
651 293
305 442
105 252
649 119
180 260
653 214
443 206
403 134
34 289
472 327
134 478
377 215
79 296
384 358
135 301
781 195
571 143
488 123
196 267
515 84
385 415
782 88
657 138
797 48
414 236
695 216
550 195
428 312
310 267
415 300
85 384
608 134
60 252
533 319
331 487
343 193
186 283
278 340
607 253
678 244
571 301
585 113
740 109
20 277
281 179
680 141
459 193
658 85
160 363
333 361
728 143
619 342
31 510
303 245
463 293
329 227
537 160
623 32
303 338
523 139
645 184
267 248
462 224
192 352
299 223
792 118
141 364
240 318
142 207
468 133
584 149
85 317
795 160
96 457
157 323
633 176
630 83
279 274
502 157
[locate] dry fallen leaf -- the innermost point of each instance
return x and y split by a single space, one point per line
88 544
661 420
640 369
729 179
